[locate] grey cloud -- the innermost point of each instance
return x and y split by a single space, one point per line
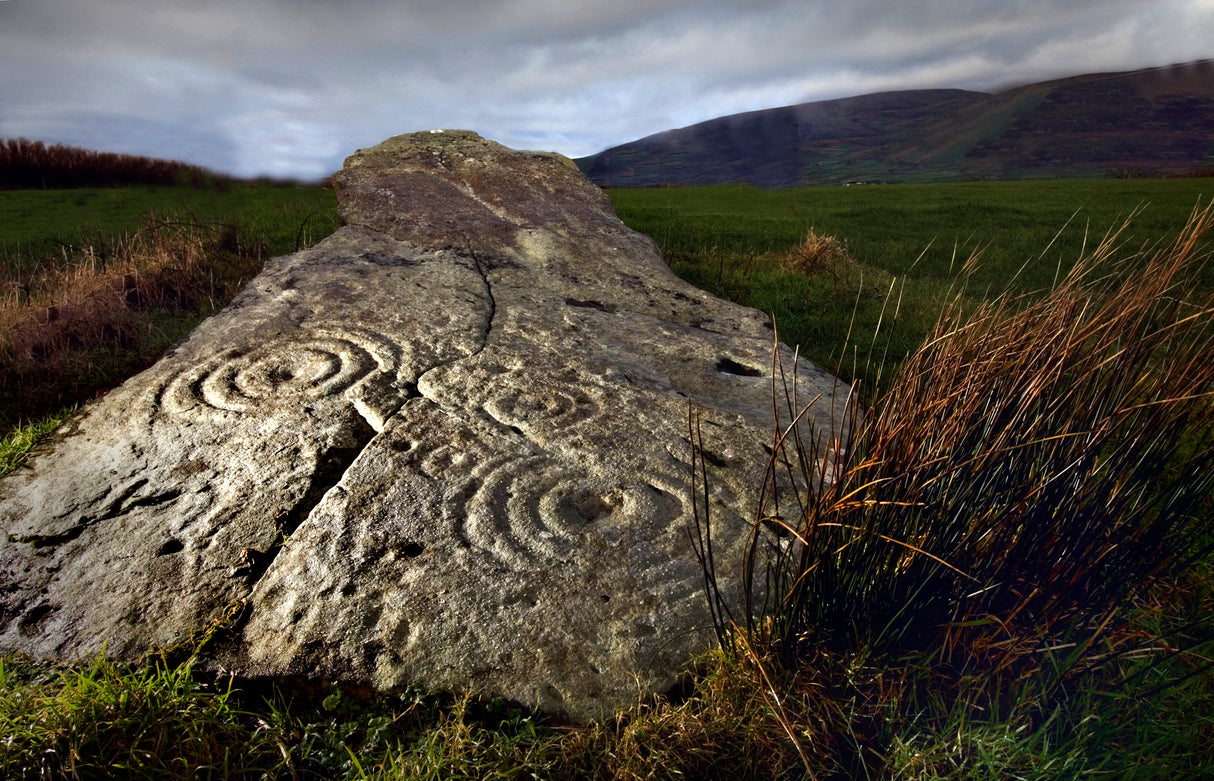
291 86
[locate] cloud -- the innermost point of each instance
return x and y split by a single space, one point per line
292 86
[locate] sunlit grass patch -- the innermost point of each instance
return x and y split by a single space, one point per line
17 443
104 719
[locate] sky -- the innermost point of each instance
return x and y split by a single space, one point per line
289 88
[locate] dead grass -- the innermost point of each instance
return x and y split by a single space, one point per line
79 323
819 255
985 528
1030 465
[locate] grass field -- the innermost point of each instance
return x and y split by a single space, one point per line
35 224
888 226
911 239
1028 684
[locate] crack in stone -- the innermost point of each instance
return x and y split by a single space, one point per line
331 467
484 272
484 342
336 462
118 507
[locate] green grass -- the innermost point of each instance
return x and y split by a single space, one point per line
887 226
101 719
21 439
108 719
36 224
1021 684
731 241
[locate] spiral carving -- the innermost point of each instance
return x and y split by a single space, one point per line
285 370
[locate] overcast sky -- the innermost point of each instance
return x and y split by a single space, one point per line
290 87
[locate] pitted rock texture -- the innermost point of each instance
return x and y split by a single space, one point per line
447 446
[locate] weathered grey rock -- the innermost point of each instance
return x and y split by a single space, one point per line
466 413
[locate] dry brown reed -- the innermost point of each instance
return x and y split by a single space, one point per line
79 323
1030 468
818 255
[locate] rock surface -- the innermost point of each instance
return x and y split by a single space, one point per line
445 446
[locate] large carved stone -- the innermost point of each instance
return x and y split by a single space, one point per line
447 446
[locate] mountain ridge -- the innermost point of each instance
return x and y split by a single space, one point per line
1152 121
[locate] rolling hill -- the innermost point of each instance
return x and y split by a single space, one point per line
1157 121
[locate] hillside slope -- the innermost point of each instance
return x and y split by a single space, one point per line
1153 121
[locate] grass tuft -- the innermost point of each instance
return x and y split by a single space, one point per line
818 255
1029 466
15 447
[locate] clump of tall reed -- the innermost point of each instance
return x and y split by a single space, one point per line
80 323
1030 470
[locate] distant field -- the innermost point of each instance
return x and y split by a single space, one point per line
885 226
731 240
34 223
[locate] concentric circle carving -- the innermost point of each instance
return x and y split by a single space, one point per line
527 405
285 370
534 510
538 511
